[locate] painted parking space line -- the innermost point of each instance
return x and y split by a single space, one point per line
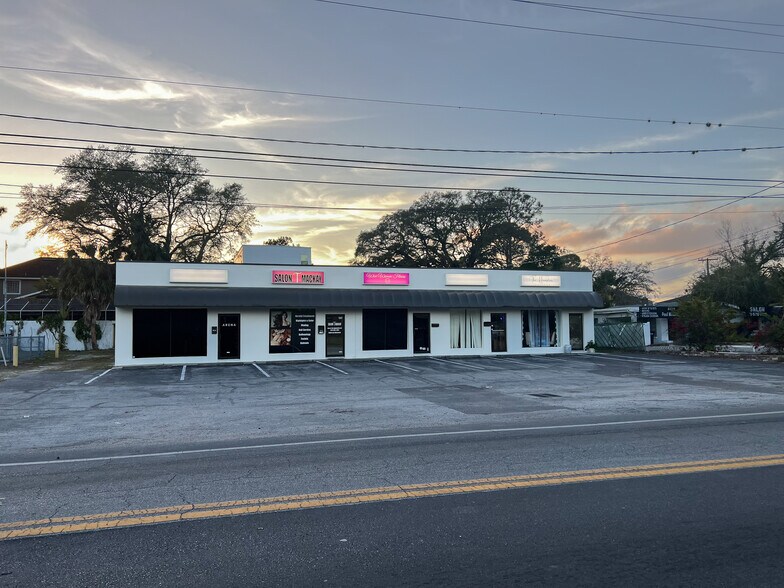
630 359
397 365
528 364
212 510
103 373
461 364
182 373
261 370
332 367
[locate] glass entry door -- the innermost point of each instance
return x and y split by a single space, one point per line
228 336
576 331
336 335
421 332
498 331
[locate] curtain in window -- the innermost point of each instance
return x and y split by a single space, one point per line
539 324
465 329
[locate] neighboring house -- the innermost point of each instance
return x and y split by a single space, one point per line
25 300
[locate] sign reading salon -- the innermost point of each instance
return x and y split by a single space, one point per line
302 278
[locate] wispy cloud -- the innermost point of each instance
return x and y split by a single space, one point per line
141 91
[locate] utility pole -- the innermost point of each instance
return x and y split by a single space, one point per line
707 261
5 289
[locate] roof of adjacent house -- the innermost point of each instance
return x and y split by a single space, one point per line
40 267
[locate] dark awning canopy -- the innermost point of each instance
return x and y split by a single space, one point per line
315 297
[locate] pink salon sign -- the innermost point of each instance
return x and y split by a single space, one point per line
307 278
386 279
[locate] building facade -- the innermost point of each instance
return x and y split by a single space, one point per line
206 313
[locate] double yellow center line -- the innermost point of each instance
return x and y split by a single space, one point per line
209 510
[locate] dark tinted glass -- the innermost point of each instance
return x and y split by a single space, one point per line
151 332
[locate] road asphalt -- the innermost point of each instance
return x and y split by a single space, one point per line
701 528
707 529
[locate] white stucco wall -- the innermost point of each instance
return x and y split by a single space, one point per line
255 323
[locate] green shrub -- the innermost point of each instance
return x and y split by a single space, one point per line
771 334
701 324
82 332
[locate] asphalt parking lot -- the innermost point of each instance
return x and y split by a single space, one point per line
75 411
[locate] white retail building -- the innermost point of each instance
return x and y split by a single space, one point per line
206 313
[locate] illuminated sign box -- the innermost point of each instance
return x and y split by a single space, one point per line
385 278
198 276
541 281
301 278
466 280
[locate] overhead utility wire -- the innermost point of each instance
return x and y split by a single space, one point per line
668 225
717 251
691 151
684 16
668 258
620 14
397 102
546 209
525 173
250 138
551 30
359 184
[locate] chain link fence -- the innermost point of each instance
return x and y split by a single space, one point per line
29 347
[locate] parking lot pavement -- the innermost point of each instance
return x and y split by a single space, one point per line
135 408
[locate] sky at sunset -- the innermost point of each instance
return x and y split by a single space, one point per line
290 48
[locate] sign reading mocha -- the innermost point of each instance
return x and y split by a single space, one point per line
204 313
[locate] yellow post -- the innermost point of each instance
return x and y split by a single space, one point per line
16 356
57 351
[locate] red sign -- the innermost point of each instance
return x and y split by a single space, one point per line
305 278
386 278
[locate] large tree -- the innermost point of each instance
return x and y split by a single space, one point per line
488 229
750 271
113 205
620 283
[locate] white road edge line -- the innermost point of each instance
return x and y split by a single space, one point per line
403 367
468 365
388 437
103 373
182 374
261 370
332 367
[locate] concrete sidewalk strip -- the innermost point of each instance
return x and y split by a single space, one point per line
188 512
332 367
460 363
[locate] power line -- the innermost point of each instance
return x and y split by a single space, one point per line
693 151
689 17
250 138
15 196
674 223
624 14
549 29
381 185
717 251
418 168
399 102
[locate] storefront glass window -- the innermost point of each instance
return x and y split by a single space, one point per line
384 328
540 328
465 329
292 330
